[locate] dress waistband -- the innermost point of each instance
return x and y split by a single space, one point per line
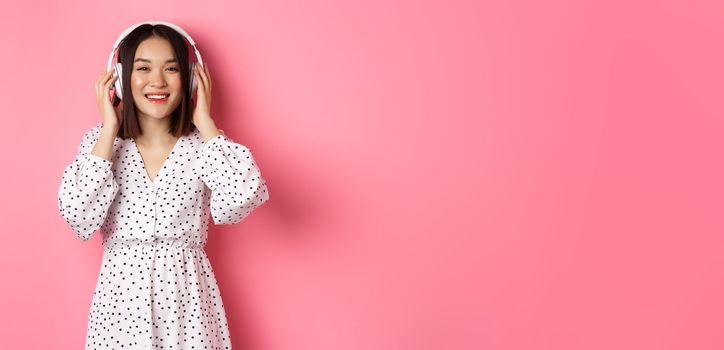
155 243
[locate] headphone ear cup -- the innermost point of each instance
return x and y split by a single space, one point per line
192 68
118 85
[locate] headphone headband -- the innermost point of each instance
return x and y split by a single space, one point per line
171 25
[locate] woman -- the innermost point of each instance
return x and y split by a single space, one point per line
148 176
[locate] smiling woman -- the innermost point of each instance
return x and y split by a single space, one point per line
155 80
150 180
152 57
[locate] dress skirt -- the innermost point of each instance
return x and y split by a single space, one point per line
156 295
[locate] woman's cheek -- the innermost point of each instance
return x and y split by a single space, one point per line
138 82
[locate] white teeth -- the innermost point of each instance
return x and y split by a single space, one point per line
157 97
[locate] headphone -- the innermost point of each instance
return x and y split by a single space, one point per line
118 85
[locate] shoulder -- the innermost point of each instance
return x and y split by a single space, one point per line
196 141
196 138
95 129
91 134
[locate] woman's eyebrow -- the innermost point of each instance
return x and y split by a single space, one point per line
149 61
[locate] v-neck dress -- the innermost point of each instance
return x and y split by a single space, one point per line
156 288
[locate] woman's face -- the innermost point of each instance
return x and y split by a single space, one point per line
156 72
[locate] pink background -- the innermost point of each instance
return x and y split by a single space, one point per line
443 174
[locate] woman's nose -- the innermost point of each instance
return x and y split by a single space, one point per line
157 79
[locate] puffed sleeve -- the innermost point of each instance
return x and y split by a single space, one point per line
237 187
87 188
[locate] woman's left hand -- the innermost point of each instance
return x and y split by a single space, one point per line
203 94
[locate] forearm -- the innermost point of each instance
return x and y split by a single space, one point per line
104 146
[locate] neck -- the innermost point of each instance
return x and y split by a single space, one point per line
155 131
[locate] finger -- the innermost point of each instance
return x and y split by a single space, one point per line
202 73
104 78
208 76
99 86
108 80
109 83
197 73
199 78
111 73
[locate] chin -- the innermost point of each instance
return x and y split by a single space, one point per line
156 111
157 116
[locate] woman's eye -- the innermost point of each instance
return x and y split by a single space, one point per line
146 68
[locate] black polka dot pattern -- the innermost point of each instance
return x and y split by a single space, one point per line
156 288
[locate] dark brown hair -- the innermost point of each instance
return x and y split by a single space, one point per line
181 117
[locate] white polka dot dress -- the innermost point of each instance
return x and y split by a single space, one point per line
156 288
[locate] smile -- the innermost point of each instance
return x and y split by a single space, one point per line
157 98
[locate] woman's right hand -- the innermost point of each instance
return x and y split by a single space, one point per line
109 115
